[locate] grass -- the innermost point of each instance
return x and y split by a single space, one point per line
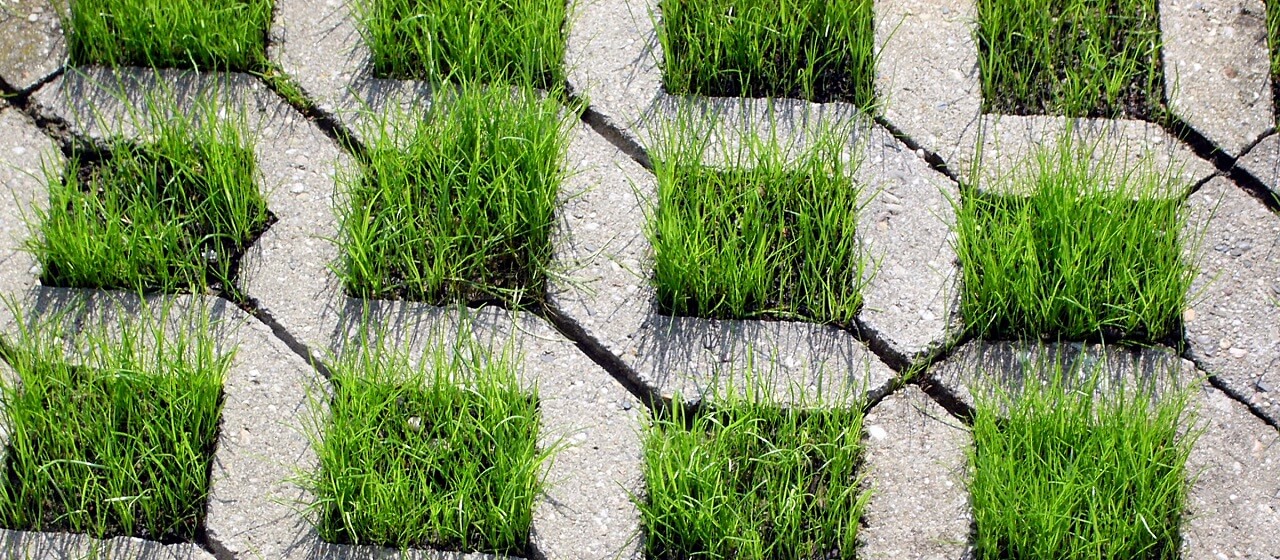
119 441
203 34
771 233
457 205
173 213
808 49
748 480
1087 250
518 42
443 453
1067 474
1076 58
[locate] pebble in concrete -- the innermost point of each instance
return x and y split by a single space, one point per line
915 468
928 77
31 44
25 154
1233 321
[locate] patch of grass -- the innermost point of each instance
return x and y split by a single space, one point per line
118 440
1067 474
1083 248
443 453
203 34
1077 58
520 42
457 205
748 480
808 49
172 213
771 233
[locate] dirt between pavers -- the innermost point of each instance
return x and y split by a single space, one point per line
1234 502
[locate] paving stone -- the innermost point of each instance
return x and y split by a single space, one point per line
1233 323
984 367
1218 69
68 546
1263 162
1234 505
928 79
31 43
916 470
25 153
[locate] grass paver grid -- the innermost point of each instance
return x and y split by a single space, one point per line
1063 472
118 444
1075 58
444 454
204 34
808 49
745 479
520 42
762 237
174 213
1079 249
458 205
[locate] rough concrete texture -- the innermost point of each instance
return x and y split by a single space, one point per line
1233 324
606 292
25 154
1218 69
1263 162
1234 506
929 83
319 45
31 44
916 470
981 369
22 545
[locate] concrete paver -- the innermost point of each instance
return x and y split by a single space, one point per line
31 43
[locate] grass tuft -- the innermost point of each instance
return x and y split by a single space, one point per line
748 480
770 234
519 42
173 213
457 205
1070 475
203 34
808 49
442 454
1076 58
1081 251
118 442
1273 43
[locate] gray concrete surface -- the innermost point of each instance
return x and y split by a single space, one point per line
1233 321
22 545
1218 69
31 43
25 155
916 470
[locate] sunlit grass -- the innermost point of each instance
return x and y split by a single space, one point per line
204 34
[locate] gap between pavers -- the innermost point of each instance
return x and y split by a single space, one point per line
928 78
1233 321
255 510
31 43
910 305
916 472
1263 162
1234 495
